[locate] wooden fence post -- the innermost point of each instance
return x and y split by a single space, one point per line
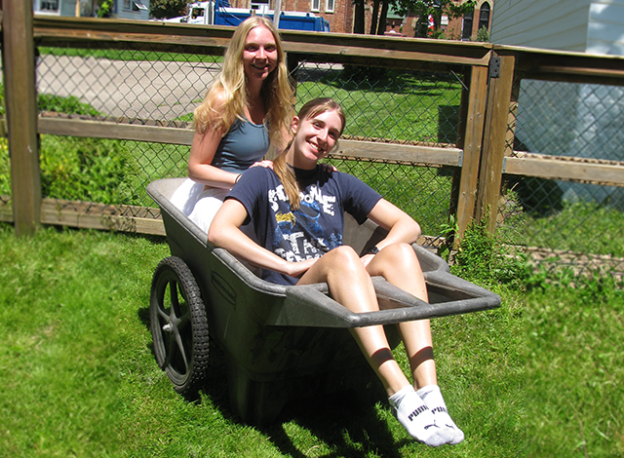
493 152
473 139
21 114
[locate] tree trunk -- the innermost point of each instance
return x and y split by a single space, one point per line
373 28
358 20
383 17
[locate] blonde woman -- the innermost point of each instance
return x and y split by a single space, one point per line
297 212
246 110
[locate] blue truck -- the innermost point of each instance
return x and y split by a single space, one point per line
219 12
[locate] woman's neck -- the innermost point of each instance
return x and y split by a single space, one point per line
291 160
255 105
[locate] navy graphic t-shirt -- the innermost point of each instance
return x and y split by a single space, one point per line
312 230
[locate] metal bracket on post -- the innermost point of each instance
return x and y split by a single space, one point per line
495 66
460 162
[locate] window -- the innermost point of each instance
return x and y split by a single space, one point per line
316 5
329 6
467 26
49 6
484 16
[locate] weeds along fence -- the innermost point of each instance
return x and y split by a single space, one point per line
449 131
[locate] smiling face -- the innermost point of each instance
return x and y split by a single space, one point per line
259 54
314 138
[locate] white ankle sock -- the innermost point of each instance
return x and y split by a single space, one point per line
415 417
432 397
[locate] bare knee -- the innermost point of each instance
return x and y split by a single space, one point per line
398 257
402 253
345 257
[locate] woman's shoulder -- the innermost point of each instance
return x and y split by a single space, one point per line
218 100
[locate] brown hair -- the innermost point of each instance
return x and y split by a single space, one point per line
283 171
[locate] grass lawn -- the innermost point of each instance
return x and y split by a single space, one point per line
537 377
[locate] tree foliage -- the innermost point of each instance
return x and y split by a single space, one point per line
436 8
164 9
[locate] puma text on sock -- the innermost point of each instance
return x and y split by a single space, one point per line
416 417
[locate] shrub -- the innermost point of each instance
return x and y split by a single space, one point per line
482 256
86 169
162 9
68 105
483 35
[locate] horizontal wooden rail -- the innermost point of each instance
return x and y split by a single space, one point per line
551 65
110 33
393 152
356 149
608 173
86 215
113 130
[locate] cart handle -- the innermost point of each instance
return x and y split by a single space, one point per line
309 306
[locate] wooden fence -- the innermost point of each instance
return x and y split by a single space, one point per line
491 77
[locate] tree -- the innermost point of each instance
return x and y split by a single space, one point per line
164 9
358 20
434 8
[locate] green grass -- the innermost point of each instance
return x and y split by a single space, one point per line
540 376
580 227
400 106
129 55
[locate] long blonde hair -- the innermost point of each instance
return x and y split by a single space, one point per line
231 85
283 171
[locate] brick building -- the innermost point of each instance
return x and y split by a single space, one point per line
339 14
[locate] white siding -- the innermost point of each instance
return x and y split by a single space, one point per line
550 24
605 33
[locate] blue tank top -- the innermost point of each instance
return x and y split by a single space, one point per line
244 144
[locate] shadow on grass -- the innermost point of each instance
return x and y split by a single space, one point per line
344 422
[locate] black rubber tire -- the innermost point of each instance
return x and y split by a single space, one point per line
179 326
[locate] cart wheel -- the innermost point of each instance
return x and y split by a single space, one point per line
179 326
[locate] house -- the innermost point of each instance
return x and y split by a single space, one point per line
122 9
568 119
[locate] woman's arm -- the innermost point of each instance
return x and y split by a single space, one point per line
401 226
203 150
225 233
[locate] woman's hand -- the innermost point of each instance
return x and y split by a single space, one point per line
328 167
297 269
367 258
266 164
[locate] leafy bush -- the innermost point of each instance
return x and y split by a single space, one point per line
482 256
87 169
483 35
68 105
162 9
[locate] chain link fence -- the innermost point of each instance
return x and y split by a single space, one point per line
398 104
564 222
147 87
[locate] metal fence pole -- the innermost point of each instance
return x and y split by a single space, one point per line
21 113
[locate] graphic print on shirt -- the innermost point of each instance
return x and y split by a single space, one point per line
299 235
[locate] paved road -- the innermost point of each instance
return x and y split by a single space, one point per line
147 90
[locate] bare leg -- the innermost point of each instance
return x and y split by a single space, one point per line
351 286
399 265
